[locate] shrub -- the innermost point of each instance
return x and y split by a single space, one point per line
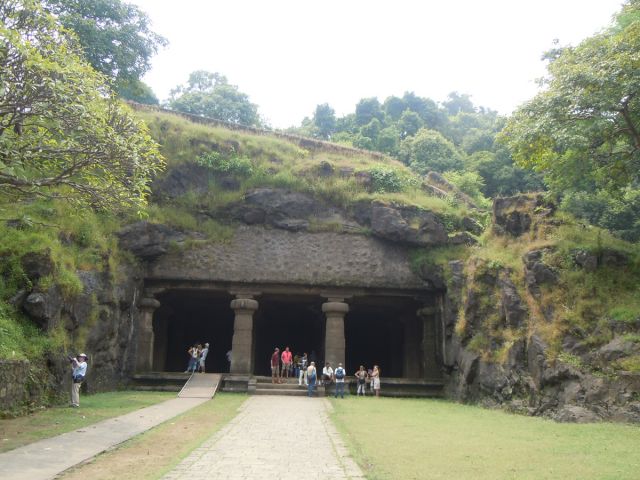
386 179
233 165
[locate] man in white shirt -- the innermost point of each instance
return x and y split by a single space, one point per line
203 357
327 374
79 370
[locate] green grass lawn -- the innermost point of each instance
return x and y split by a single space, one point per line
15 432
434 439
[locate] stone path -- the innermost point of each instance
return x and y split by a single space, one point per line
47 458
273 437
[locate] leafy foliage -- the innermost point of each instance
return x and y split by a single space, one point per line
386 179
469 182
583 130
430 150
210 95
452 136
116 37
140 92
62 132
234 165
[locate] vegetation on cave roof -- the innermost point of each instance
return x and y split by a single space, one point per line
338 175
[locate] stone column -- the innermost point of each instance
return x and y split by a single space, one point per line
334 344
161 338
144 353
412 361
429 342
242 343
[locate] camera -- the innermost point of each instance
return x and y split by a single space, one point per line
70 358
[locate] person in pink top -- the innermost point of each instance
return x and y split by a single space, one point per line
287 358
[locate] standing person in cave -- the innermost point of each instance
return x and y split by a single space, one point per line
361 377
303 369
275 366
312 375
286 362
203 357
375 380
194 353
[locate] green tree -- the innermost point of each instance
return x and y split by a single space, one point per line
583 130
458 103
62 133
116 37
428 150
500 175
324 119
427 109
393 107
476 140
470 183
210 95
371 129
388 140
367 109
409 124
618 213
139 92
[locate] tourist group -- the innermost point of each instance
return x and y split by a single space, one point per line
285 365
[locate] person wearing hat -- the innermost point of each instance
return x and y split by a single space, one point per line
203 357
79 370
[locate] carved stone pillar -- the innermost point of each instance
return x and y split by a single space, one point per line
429 342
412 361
144 353
334 344
242 343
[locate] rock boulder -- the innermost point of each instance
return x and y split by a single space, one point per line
148 240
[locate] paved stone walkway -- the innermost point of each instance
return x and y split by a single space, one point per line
273 437
45 459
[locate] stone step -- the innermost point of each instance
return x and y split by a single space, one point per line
287 392
157 388
276 386
289 381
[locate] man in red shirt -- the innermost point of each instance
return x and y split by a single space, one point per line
286 362
275 366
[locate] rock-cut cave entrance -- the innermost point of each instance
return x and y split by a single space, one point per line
384 331
186 317
293 321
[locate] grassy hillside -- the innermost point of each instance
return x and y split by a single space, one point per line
73 240
591 306
256 160
63 241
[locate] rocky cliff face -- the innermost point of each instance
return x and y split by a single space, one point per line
102 318
495 324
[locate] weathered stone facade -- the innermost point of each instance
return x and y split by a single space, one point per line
104 315
527 378
258 255
14 376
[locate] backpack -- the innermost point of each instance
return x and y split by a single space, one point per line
340 373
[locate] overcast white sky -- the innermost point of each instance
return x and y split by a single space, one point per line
291 55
